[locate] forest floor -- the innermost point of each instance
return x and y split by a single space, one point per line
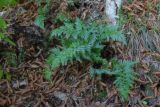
71 86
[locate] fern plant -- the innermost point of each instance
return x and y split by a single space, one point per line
80 41
123 72
83 41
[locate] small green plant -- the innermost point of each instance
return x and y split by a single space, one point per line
42 11
3 27
5 3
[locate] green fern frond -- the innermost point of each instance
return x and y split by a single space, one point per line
58 57
114 34
118 37
124 74
55 60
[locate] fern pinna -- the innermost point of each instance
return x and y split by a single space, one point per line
80 41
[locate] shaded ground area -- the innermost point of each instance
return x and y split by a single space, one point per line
71 85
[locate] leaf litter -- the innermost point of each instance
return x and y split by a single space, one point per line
71 86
